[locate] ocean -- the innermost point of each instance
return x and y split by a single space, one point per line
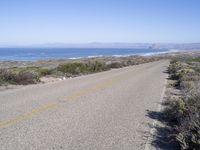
34 54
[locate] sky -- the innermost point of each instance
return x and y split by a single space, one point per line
29 22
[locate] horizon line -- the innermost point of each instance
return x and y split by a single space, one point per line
93 44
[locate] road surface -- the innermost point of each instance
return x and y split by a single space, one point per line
102 111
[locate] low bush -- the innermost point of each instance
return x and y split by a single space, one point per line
72 68
96 67
8 76
44 71
33 69
183 113
31 74
26 78
115 65
82 68
196 59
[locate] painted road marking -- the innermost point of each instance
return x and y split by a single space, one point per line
51 105
28 115
90 90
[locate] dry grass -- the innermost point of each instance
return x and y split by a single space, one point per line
183 113
22 74
23 77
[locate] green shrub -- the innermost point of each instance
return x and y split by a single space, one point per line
196 59
72 68
44 71
116 65
96 67
175 110
38 70
82 68
189 127
184 113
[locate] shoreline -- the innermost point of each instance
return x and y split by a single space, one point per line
42 54
148 54
14 73
52 62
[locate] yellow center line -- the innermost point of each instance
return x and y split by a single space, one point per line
51 105
90 90
28 115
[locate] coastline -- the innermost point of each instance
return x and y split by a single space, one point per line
53 62
45 71
14 74
35 54
56 62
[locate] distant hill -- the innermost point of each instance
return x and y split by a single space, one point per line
181 46
127 45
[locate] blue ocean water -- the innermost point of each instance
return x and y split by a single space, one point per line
33 54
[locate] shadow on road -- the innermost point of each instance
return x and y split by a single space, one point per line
162 139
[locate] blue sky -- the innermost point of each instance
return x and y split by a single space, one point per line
25 22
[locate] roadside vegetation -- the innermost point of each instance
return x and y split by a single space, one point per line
182 112
32 74
8 76
77 68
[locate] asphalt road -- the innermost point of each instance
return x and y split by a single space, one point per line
102 111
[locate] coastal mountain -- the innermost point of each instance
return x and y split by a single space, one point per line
181 46
124 45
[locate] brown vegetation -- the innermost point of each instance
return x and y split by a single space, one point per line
183 112
23 77
31 73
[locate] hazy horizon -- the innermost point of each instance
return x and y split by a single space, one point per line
105 45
